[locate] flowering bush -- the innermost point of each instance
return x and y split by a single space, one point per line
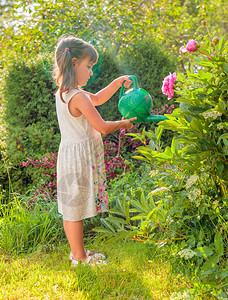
117 150
188 206
46 178
165 109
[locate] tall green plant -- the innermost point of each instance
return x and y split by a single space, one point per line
191 200
23 230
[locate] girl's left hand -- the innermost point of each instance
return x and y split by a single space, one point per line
123 79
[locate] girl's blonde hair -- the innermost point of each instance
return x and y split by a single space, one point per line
68 48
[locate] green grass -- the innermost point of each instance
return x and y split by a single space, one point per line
132 273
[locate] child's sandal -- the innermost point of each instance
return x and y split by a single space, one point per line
91 260
90 253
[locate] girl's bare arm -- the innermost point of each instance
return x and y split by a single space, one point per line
106 93
82 103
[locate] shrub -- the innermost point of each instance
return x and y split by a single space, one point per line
147 60
30 116
188 206
45 180
105 71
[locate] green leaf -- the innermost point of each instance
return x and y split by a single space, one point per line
152 204
117 212
225 67
220 166
101 230
144 225
150 135
143 135
224 274
140 158
210 265
159 131
196 124
151 213
204 251
173 145
143 201
219 247
108 225
223 136
139 206
139 217
102 236
127 212
118 220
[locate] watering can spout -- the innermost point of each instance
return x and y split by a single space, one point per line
155 118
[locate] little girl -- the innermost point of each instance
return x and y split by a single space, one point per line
81 184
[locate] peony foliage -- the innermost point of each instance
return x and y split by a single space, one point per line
186 212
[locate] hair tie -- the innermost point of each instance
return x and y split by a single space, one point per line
67 49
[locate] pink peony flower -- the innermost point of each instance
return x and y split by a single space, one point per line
191 46
167 87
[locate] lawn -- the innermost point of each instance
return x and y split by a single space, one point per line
133 272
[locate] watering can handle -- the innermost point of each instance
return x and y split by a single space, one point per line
135 85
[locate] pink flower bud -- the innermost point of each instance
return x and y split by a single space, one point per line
191 46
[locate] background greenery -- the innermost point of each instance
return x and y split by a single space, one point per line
176 203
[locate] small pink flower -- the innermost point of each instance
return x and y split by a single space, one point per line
191 46
167 87
105 202
101 197
101 190
182 50
208 57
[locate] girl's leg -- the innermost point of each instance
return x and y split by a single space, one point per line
74 233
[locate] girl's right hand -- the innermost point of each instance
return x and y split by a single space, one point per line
127 122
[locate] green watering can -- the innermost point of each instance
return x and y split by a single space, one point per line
137 103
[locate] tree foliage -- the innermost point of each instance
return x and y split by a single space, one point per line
34 26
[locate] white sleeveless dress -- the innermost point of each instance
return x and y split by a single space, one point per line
81 180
